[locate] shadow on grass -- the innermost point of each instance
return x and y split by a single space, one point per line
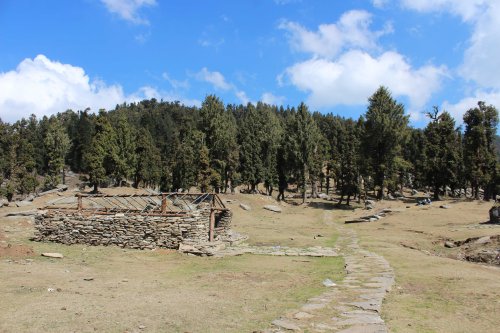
331 206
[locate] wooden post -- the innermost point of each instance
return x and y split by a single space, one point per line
163 203
80 202
212 226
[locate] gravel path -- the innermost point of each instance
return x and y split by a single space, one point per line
352 306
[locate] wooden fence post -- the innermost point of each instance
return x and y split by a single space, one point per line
80 202
212 225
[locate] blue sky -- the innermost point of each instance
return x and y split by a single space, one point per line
332 54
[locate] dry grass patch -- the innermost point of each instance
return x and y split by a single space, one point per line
110 289
434 293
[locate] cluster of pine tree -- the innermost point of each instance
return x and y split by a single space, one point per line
217 147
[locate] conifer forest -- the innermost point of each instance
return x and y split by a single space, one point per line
216 147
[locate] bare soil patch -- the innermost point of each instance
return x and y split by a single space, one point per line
16 251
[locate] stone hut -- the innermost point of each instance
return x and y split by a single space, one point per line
139 222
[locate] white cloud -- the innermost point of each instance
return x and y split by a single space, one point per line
483 54
351 31
176 84
205 42
218 81
483 51
272 99
457 110
380 3
242 96
355 75
42 86
128 9
467 10
215 78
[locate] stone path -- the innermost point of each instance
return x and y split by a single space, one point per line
314 251
354 305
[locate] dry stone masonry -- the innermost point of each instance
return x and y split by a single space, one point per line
131 230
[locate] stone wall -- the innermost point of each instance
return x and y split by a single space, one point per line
223 224
130 231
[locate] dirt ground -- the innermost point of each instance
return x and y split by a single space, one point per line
109 289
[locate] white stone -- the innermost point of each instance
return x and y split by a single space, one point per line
52 255
273 208
245 207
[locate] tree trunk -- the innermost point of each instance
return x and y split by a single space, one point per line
327 184
314 189
436 193
95 188
341 198
304 183
380 193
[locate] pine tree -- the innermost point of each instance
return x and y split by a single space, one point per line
126 157
251 164
347 154
57 144
205 172
23 163
441 151
479 151
148 163
219 128
101 156
385 129
306 139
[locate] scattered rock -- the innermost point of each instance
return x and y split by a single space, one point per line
483 240
3 203
414 192
449 244
495 214
62 187
245 207
444 206
302 315
52 255
141 327
23 203
369 204
273 208
25 213
88 278
323 196
63 308
398 195
51 290
329 283
286 324
29 198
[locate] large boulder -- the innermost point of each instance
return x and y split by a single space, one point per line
495 214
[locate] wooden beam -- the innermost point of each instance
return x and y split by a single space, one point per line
212 226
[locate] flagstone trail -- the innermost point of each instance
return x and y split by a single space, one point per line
353 305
